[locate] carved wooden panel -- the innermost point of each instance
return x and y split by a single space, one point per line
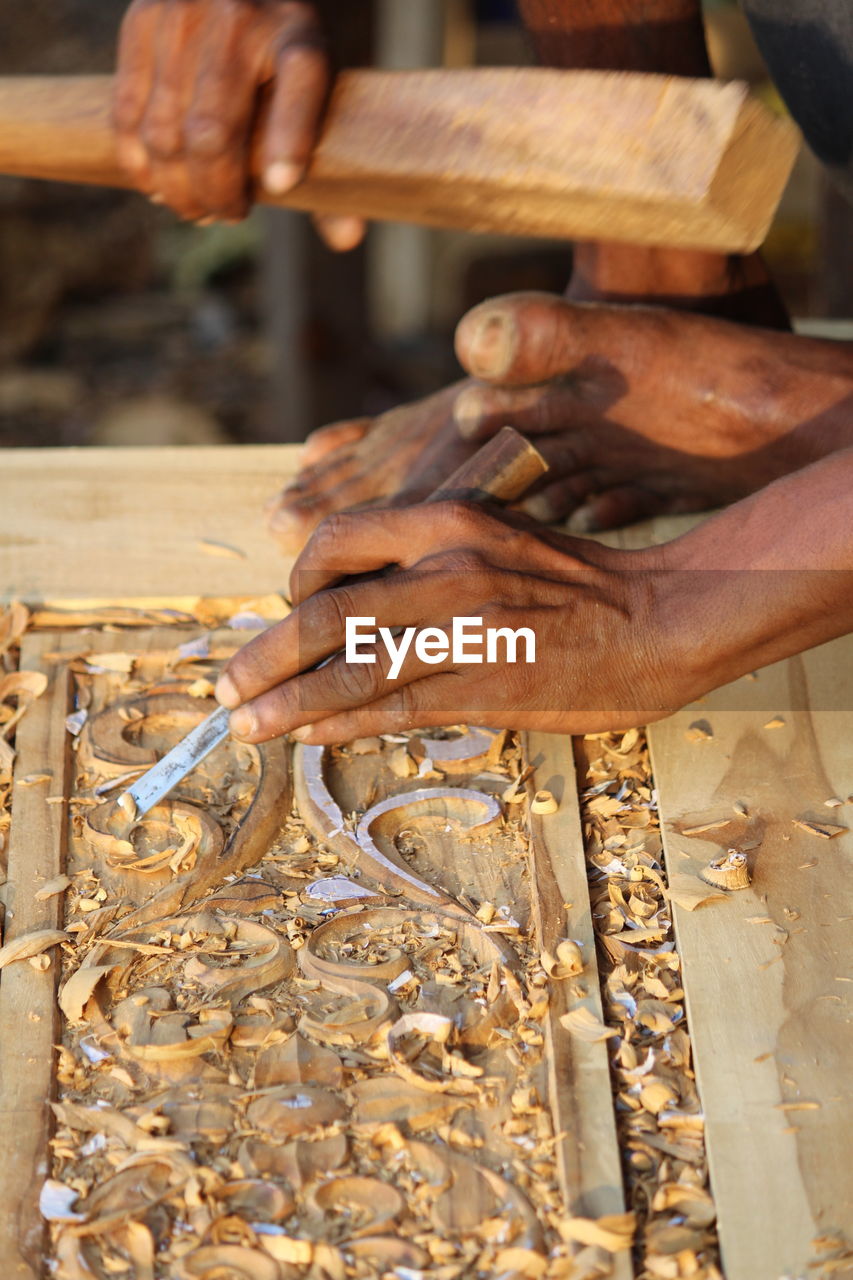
313 1042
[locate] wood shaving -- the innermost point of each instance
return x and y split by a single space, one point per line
543 802
52 887
824 830
583 1024
729 872
659 1114
31 944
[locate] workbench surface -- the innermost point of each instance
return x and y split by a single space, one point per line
768 998
138 523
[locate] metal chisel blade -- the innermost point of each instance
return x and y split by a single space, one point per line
174 767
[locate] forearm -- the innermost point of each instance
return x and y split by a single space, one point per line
622 35
766 579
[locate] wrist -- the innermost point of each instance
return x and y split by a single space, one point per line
765 579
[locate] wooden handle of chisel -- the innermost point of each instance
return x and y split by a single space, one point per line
503 470
589 155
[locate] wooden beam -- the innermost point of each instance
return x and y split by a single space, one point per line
579 1074
768 995
521 151
29 1016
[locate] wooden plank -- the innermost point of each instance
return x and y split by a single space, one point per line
522 151
38 851
767 991
121 525
579 1074
442 851
29 1018
158 528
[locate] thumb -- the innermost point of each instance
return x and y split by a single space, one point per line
522 339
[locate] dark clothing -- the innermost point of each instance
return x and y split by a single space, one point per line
808 48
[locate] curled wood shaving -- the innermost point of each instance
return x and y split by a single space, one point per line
75 993
614 1232
50 888
567 963
13 623
543 802
583 1024
31 944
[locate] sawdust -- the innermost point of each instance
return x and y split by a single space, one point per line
659 1113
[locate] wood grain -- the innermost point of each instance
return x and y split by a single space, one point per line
569 154
136 525
29 1017
765 971
579 1074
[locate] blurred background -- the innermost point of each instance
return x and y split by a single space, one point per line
119 325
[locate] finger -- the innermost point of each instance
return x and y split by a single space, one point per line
418 705
299 98
319 491
522 339
626 505
480 411
422 704
326 440
317 629
559 500
134 78
357 542
335 688
162 129
220 117
340 232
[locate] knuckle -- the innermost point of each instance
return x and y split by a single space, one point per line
357 684
162 134
330 610
209 135
329 539
465 561
462 519
255 666
128 107
307 61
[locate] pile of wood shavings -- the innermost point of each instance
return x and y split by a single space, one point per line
659 1114
169 1162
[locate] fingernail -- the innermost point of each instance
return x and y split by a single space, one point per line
538 507
303 734
342 233
243 722
583 521
207 221
157 197
279 178
226 693
492 346
468 411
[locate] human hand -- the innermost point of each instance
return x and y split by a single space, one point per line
189 77
638 411
593 612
